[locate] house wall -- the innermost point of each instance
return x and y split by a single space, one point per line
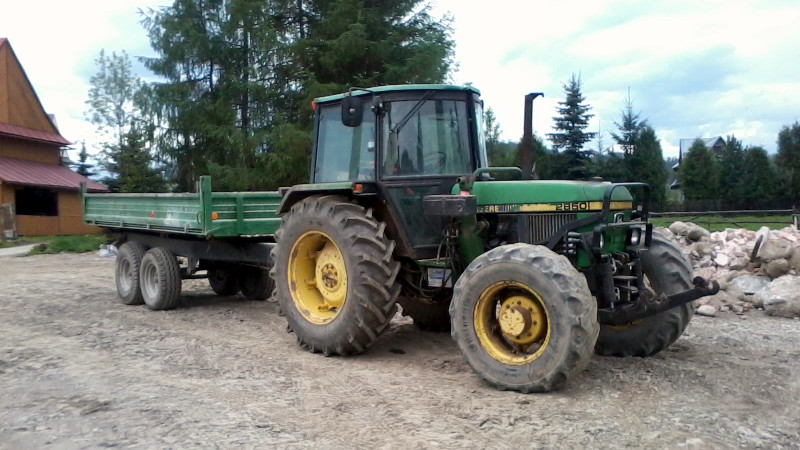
70 214
30 151
69 220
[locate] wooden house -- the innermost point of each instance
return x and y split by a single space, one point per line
42 190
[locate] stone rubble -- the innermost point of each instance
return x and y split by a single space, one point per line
754 269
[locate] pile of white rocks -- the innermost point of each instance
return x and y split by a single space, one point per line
754 269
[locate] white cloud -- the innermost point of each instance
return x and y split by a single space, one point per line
716 67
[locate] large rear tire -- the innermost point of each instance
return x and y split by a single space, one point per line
126 273
335 276
160 278
523 318
667 271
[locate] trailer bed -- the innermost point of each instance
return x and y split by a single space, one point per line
201 214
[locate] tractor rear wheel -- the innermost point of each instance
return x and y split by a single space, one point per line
667 271
523 318
335 275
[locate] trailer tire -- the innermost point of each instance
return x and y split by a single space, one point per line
428 315
523 318
160 278
223 280
668 272
255 282
126 273
335 275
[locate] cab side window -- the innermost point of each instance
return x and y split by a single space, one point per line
344 153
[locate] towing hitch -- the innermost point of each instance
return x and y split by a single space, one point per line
646 307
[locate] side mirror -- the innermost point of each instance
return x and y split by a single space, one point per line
352 111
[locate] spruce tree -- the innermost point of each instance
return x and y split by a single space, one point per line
758 185
733 171
699 173
570 137
788 160
240 75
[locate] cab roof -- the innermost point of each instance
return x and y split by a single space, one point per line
397 88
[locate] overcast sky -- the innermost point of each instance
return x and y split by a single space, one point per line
694 68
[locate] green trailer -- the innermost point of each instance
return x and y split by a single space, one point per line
202 214
228 236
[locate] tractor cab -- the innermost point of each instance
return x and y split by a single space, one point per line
401 144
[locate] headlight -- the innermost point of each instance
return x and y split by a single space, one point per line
634 237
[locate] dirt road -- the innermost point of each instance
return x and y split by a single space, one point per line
80 370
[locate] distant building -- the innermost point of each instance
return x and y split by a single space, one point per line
34 178
714 143
717 144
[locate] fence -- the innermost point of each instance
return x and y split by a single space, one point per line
736 218
8 223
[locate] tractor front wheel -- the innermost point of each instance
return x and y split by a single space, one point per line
667 271
335 275
523 318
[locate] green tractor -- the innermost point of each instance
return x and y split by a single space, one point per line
530 277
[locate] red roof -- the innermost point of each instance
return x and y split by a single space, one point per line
32 135
30 173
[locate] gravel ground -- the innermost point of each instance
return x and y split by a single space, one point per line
80 370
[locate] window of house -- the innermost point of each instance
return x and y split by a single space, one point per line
31 201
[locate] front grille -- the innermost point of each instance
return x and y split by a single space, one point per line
540 227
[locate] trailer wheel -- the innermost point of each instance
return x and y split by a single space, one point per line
223 280
160 278
126 274
335 276
667 271
523 318
256 283
428 315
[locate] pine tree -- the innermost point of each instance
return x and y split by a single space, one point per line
758 186
83 167
241 74
646 164
570 137
699 173
629 128
732 171
788 160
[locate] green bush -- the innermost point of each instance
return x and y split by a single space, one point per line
69 244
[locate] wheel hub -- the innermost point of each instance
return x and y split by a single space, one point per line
330 275
522 320
511 323
317 277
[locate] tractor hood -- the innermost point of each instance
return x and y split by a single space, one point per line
546 196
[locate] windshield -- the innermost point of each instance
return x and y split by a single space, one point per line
426 138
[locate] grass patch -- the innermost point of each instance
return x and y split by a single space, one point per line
67 244
715 223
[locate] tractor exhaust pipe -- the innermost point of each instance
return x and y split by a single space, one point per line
526 146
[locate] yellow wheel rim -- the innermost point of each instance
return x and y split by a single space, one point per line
317 277
511 323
